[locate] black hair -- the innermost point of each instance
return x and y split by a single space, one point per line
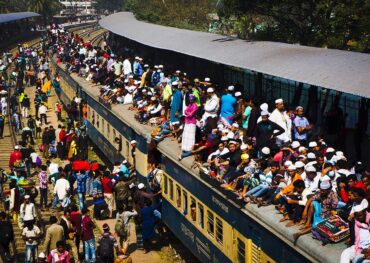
274 163
342 164
84 210
352 177
43 167
359 191
60 243
299 184
319 154
53 219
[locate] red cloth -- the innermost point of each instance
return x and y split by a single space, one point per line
344 195
62 136
94 167
14 156
80 165
87 228
107 185
76 220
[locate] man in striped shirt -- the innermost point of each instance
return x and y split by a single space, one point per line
43 178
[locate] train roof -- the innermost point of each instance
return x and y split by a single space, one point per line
339 70
5 18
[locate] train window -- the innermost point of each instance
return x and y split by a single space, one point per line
178 196
108 129
93 118
241 251
114 133
185 204
103 125
201 215
210 223
193 209
171 189
165 185
219 231
97 120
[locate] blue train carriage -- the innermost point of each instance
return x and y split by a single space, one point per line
212 228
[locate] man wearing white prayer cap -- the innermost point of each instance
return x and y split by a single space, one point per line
211 107
280 117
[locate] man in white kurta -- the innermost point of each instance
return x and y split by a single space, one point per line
281 118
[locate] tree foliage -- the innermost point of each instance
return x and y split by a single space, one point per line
190 14
339 24
47 8
108 5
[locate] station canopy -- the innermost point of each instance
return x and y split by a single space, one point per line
5 18
334 69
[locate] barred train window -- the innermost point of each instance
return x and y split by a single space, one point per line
178 196
185 204
219 231
165 185
210 223
193 209
201 215
241 251
171 189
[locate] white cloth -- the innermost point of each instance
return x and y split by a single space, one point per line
188 137
34 232
53 168
283 120
61 188
43 109
27 211
34 157
127 68
211 108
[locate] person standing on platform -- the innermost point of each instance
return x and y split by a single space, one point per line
228 103
25 106
88 236
188 136
31 235
54 233
15 156
43 179
2 124
7 236
281 118
42 110
301 127
107 244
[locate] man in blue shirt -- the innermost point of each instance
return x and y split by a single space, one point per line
228 103
301 126
81 178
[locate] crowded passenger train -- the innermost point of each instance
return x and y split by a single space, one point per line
226 163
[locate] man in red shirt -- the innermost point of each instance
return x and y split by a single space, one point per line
88 236
108 186
16 155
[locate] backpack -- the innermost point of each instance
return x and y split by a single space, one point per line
119 227
1 120
106 247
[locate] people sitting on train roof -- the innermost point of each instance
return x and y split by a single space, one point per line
266 158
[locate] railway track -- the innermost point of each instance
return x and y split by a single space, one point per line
7 146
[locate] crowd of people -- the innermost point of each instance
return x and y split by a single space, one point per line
113 193
267 158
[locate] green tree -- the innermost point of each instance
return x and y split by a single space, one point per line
108 5
330 23
46 8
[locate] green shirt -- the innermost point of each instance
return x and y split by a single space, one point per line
247 114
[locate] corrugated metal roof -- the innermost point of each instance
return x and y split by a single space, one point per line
4 18
329 68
